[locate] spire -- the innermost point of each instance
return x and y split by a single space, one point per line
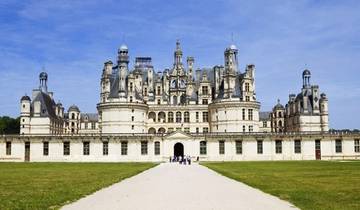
178 55
178 45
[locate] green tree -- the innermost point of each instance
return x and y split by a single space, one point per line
9 125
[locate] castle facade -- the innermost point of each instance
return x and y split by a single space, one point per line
174 112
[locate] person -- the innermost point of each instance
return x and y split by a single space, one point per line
197 158
170 159
189 160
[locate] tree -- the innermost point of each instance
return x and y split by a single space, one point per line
9 125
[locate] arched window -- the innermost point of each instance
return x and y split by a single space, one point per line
152 130
279 114
280 123
157 148
175 100
73 116
186 117
161 117
203 148
152 116
178 117
161 130
170 117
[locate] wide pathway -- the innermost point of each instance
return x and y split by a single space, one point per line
171 186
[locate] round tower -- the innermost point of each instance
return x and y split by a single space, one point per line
324 114
25 113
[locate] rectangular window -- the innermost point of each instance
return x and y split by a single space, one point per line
197 130
244 128
45 148
202 147
157 148
243 114
93 125
338 146
144 147
205 130
247 98
221 147
86 125
250 114
105 148
251 129
8 148
124 147
259 146
86 148
278 146
178 129
357 145
264 124
205 117
158 102
186 117
204 90
158 90
132 118
238 145
197 116
297 146
187 130
247 87
204 101
66 148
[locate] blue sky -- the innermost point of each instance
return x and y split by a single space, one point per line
72 40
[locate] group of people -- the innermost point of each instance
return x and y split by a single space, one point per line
181 159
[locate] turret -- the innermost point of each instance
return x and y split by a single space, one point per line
105 81
74 119
231 60
324 114
123 62
231 67
178 56
43 81
25 112
306 78
190 65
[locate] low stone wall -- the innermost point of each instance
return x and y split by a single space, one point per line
146 147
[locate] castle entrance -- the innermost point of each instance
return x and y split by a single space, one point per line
178 149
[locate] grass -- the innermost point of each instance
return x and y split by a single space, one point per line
306 184
51 185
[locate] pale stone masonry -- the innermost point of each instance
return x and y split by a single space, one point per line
208 147
208 113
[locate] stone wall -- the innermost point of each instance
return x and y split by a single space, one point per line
190 142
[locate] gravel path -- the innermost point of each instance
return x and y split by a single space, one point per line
171 186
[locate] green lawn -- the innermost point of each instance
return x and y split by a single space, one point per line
51 185
307 184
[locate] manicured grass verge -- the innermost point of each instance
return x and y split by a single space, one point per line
306 184
51 185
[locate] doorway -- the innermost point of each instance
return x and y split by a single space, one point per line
27 151
178 150
318 149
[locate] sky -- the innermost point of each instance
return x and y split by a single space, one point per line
72 39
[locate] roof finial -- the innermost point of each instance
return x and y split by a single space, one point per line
278 101
178 44
232 38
